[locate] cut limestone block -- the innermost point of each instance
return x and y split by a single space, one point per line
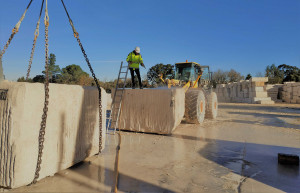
255 99
265 102
109 101
259 94
72 131
152 110
259 79
257 84
293 101
258 89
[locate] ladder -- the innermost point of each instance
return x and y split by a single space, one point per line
117 98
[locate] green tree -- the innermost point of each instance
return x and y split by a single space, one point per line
274 74
220 77
39 78
54 70
248 77
153 73
291 73
234 76
72 74
23 79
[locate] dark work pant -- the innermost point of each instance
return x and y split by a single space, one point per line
137 71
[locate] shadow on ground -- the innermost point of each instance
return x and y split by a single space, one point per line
256 161
274 120
106 176
259 108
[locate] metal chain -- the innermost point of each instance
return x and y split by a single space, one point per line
14 31
31 58
36 34
99 90
7 43
45 110
76 35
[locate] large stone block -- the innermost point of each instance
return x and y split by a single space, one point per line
258 89
259 79
257 84
265 102
152 110
72 131
259 94
255 99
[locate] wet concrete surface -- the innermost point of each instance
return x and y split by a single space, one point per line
235 153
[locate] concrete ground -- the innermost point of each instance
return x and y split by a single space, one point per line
235 153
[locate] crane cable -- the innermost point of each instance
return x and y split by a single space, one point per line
76 35
46 102
15 30
36 34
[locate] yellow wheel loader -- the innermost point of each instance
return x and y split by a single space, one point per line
200 101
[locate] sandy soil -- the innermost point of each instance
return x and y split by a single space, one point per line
235 153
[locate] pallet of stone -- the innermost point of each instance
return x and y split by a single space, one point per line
72 129
152 110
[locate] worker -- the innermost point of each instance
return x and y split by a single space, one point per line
134 60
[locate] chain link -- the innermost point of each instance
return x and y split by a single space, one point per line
99 90
7 43
31 57
36 34
45 110
76 35
15 30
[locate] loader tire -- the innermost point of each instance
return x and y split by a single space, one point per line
194 106
211 110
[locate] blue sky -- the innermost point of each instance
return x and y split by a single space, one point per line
246 35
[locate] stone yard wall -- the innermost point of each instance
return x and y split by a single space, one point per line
247 91
72 131
291 92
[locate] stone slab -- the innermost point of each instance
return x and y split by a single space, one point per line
257 84
152 110
72 132
265 102
258 89
259 94
262 99
294 101
259 79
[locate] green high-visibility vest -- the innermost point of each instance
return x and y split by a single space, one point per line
135 59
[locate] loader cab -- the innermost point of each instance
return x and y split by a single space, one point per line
189 71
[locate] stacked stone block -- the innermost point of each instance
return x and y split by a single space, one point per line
247 91
291 92
272 90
